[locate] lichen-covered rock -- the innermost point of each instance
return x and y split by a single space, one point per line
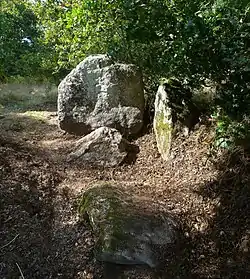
103 147
175 113
126 234
101 93
163 122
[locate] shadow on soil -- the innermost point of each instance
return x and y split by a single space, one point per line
38 231
226 243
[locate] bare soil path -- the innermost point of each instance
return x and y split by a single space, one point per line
40 233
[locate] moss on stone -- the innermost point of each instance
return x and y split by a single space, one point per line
125 236
105 209
108 206
163 133
161 125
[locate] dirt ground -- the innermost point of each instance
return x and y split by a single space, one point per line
42 237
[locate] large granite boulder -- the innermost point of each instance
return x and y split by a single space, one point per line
99 92
103 147
175 114
126 232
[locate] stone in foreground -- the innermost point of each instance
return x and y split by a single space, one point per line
99 92
104 147
126 233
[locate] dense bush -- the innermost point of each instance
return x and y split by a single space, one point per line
22 53
193 40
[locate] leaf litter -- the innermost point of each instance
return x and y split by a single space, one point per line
42 236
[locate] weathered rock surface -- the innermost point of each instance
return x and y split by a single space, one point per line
101 93
175 113
104 147
126 234
163 122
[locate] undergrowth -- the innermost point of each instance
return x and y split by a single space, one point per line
27 96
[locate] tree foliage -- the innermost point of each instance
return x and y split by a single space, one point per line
193 40
18 38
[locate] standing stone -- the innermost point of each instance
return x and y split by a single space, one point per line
99 92
104 147
163 122
175 114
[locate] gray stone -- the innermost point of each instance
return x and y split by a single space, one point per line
103 147
175 114
163 122
100 93
127 233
